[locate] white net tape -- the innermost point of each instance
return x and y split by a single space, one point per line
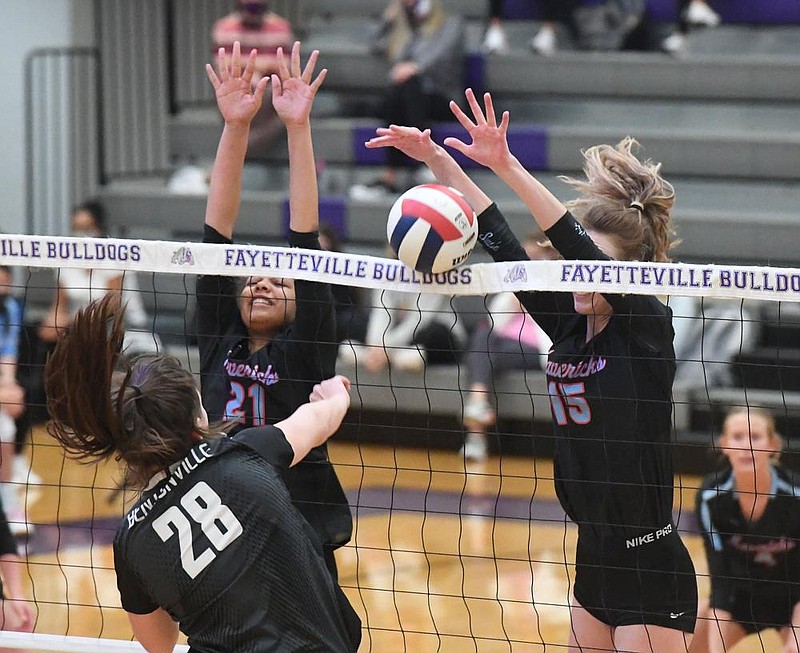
722 281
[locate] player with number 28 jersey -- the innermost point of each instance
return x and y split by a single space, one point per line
203 508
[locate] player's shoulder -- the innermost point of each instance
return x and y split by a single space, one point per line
787 481
720 480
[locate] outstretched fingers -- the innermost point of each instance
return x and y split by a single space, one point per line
212 76
477 112
236 62
462 117
296 70
250 68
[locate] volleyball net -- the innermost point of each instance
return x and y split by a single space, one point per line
448 553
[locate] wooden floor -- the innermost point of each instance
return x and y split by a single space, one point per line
443 558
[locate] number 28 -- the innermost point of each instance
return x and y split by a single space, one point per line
568 403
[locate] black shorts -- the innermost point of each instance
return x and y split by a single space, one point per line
625 582
756 611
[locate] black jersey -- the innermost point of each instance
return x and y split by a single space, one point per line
610 397
217 543
268 385
761 558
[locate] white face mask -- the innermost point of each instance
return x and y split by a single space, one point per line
419 10
83 233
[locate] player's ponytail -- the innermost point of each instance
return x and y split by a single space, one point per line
627 198
102 404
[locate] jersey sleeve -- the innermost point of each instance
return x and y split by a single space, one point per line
650 320
718 568
132 596
270 443
217 306
499 241
314 326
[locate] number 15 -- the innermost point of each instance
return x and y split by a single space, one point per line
567 402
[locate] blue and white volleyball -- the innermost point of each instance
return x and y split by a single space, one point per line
432 228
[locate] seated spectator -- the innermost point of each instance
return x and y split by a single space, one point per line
352 312
691 13
425 48
76 287
12 403
709 334
255 26
408 330
554 12
495 40
508 340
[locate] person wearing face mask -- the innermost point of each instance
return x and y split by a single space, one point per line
76 287
424 47
255 26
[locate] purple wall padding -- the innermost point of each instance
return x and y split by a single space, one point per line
362 155
753 12
332 211
527 142
474 77
521 9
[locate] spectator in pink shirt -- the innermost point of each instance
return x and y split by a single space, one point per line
254 25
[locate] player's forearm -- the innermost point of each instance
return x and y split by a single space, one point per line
303 193
224 195
545 208
156 631
11 571
449 173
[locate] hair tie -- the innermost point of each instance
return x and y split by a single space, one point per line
637 205
137 390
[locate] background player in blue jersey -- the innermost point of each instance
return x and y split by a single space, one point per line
609 375
214 545
749 514
265 344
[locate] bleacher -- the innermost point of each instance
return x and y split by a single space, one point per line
722 118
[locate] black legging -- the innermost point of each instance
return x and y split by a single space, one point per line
554 11
409 104
683 25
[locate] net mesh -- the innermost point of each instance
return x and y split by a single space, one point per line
455 547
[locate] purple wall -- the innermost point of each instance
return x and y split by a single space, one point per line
732 11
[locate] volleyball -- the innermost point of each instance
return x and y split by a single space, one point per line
432 228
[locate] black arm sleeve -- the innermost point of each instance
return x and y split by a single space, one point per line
217 305
314 326
547 308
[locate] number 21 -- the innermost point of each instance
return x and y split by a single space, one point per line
568 402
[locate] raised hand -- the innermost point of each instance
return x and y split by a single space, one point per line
410 141
293 89
489 145
237 99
